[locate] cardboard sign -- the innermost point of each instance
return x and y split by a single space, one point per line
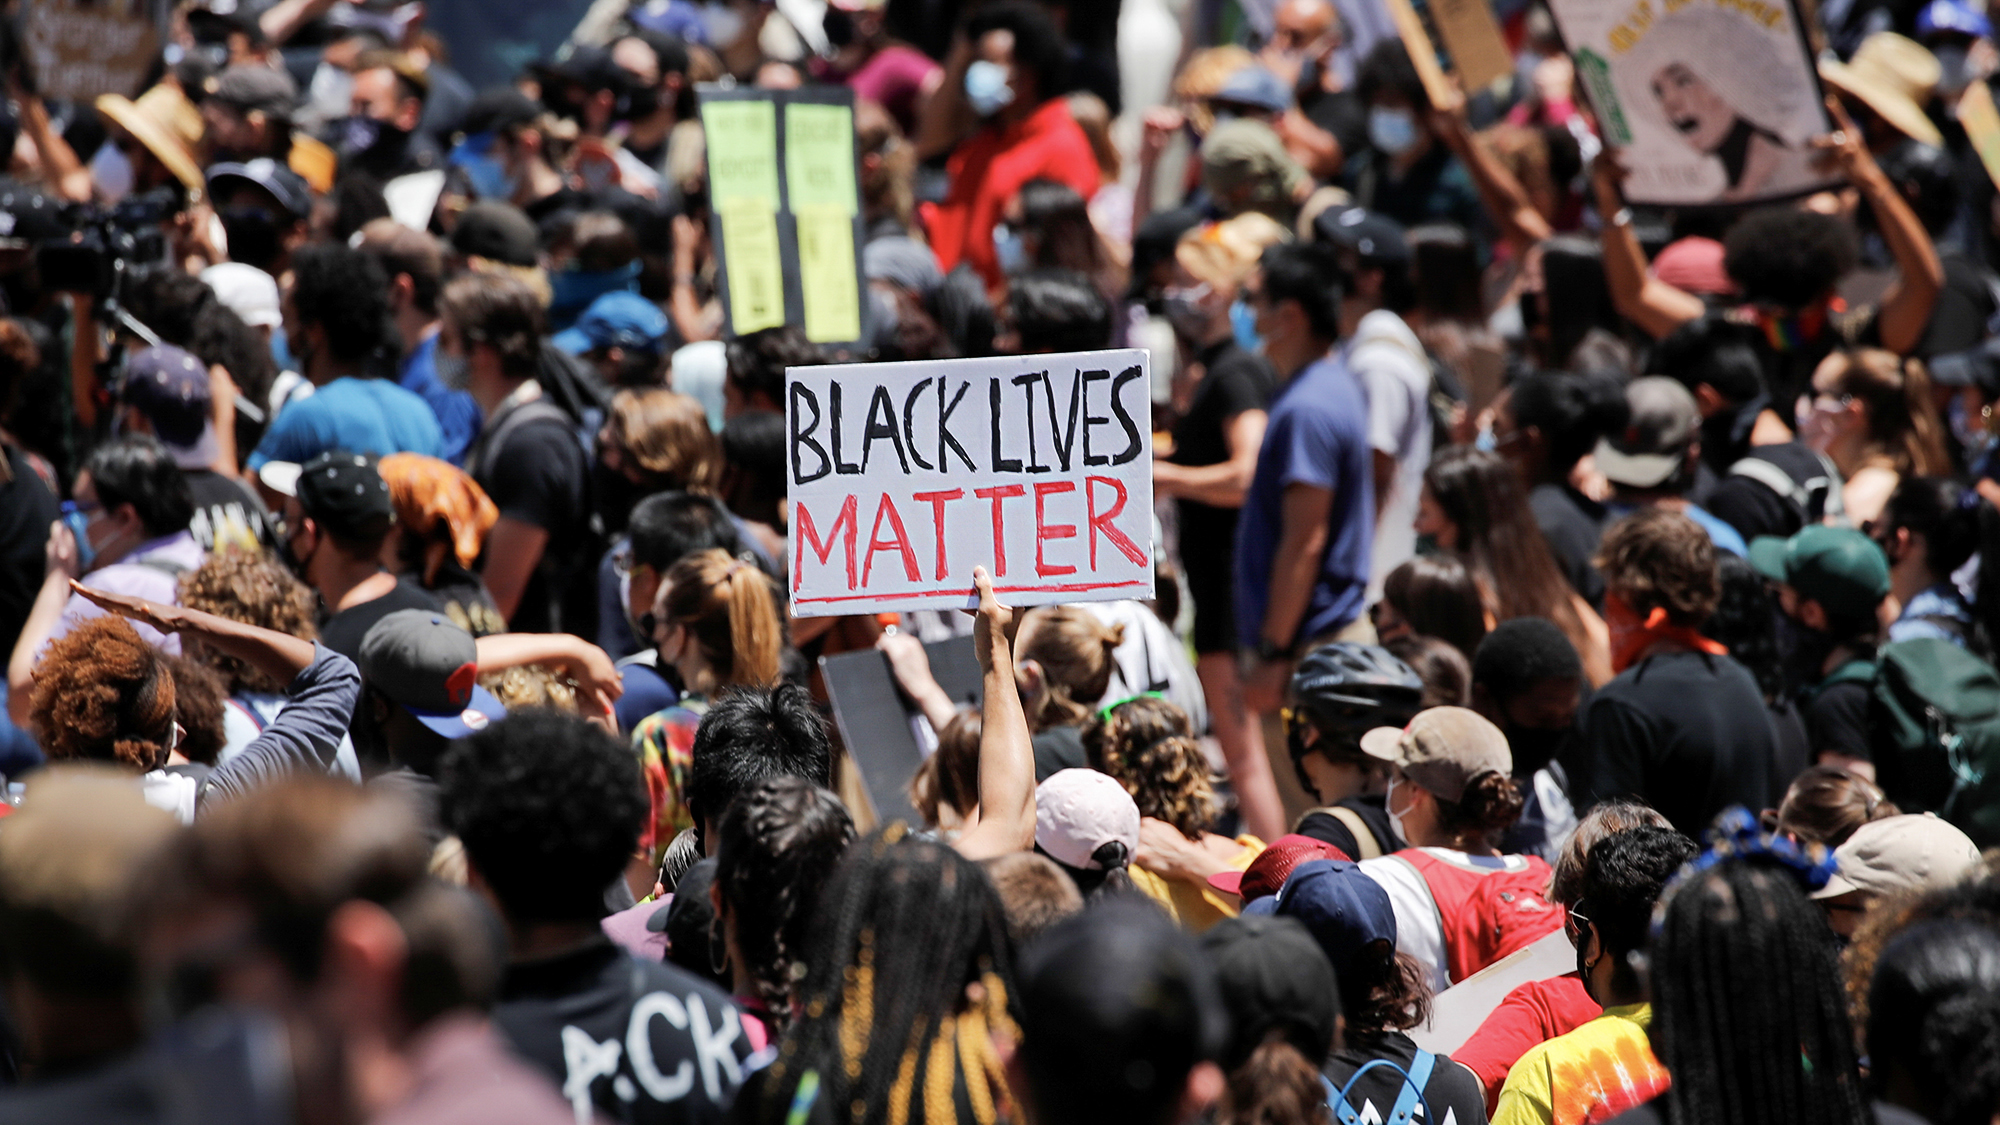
1423 54
80 50
1982 126
904 476
877 721
1713 102
1471 36
783 186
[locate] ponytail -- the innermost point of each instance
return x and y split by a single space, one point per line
1276 1085
1074 650
728 606
1490 805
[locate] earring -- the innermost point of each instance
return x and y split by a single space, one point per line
718 951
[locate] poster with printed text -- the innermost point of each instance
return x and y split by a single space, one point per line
1713 102
904 476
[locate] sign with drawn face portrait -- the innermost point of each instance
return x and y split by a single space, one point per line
1713 102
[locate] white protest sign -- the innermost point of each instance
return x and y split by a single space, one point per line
1712 101
904 476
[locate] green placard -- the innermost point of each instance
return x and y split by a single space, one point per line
742 138
1595 73
819 157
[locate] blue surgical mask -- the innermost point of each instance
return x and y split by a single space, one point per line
1013 256
1485 442
488 176
1243 323
78 522
1393 131
987 89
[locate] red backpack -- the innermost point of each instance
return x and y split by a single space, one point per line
1487 906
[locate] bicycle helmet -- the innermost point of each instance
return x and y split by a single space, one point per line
1344 690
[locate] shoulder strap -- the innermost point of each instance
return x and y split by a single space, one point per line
168 567
536 410
1772 477
1364 836
1411 1095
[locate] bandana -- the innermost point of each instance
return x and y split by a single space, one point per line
1631 637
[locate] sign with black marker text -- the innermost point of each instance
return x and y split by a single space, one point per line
904 476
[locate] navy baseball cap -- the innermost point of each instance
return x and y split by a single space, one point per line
430 668
1343 909
1374 237
1953 16
170 387
277 181
620 319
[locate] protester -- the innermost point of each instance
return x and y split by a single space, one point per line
1826 805
1432 596
1284 1010
1831 583
1874 417
442 520
1340 693
1888 857
1527 680
1931 1007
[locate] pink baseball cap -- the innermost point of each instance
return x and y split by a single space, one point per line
1078 811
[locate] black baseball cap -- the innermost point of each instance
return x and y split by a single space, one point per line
1273 976
501 107
497 231
430 668
340 491
1375 237
277 181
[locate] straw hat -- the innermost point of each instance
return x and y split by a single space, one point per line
1895 76
167 123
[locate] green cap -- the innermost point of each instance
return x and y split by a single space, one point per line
1838 567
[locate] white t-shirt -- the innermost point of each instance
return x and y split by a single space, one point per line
1419 931
1389 360
1150 657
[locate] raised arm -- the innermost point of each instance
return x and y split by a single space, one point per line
1006 750
947 117
1655 306
1908 303
591 667
62 566
1499 189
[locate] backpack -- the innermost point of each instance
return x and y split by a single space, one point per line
1817 499
1484 912
1934 722
1407 1101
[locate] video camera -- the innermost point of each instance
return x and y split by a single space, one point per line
104 244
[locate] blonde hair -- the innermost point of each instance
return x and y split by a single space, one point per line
1148 745
667 435
1224 253
1202 78
1901 417
1074 650
728 606
531 685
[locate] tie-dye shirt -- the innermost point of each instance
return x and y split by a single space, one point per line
664 742
1594 1073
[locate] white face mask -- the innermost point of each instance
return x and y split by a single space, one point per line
1395 818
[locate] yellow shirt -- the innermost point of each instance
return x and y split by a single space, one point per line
1596 1072
1196 908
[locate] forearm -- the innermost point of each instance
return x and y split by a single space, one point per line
1293 576
284 19
1006 766
280 655
1221 485
303 738
1906 310
512 650
1502 193
59 161
48 607
1655 306
687 311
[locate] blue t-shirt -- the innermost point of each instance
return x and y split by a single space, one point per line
1723 535
372 416
1939 612
1317 435
457 414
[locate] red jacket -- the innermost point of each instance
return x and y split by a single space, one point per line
989 168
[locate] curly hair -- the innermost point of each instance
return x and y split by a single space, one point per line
199 698
1073 648
1657 558
253 589
1148 745
102 693
531 685
579 787
1787 256
780 843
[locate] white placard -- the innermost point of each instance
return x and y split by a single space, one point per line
1712 101
904 476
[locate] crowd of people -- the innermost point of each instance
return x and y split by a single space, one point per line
1568 696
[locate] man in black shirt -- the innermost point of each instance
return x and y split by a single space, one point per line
337 512
166 393
527 457
548 809
1682 727
1831 582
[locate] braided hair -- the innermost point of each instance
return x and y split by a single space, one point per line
779 842
1747 1011
889 1029
1148 745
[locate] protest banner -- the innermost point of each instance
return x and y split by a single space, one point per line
1452 37
903 476
1713 102
1982 126
783 188
79 50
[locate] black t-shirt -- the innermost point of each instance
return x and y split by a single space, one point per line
466 599
1452 1093
1056 749
343 632
1328 828
1795 750
642 1041
538 477
1686 732
1837 720
27 508
1572 523
226 512
1341 113
1753 508
1655 1113
1234 381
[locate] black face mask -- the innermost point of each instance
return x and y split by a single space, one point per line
253 236
641 103
1804 651
369 139
1535 747
839 27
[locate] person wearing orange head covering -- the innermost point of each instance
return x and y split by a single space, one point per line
442 517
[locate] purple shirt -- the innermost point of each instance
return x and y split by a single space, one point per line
894 76
151 573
